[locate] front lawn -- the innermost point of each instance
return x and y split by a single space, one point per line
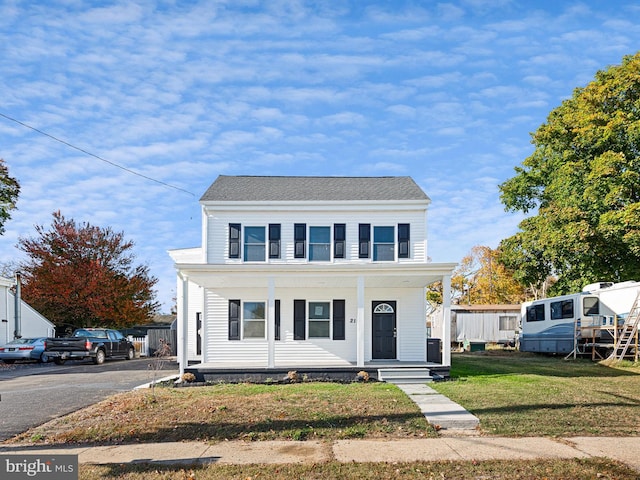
241 412
516 394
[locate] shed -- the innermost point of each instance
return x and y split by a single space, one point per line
32 323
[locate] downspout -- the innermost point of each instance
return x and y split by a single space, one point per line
18 310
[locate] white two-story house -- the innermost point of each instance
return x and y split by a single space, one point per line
308 272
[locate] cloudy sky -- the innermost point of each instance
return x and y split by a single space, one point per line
171 94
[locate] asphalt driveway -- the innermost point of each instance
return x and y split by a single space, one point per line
32 394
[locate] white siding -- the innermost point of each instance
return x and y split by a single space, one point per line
315 351
410 322
196 304
288 352
218 230
222 282
32 323
219 349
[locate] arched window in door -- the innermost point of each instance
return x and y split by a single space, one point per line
383 308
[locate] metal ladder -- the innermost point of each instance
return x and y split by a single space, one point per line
628 335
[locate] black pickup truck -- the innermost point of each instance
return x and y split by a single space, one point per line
95 343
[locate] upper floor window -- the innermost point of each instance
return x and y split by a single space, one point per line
319 244
254 244
383 244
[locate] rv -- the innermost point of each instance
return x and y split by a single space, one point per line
584 323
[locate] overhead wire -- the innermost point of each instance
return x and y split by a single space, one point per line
86 152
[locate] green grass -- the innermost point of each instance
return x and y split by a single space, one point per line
566 469
515 394
302 411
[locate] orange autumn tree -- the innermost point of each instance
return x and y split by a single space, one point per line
482 279
81 275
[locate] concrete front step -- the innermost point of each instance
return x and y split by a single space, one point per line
404 375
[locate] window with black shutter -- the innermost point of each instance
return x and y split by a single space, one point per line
277 320
300 240
339 238
198 333
364 239
403 240
234 319
274 240
299 319
234 240
338 320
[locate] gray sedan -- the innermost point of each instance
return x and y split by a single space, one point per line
24 349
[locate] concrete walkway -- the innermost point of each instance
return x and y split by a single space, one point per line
441 412
623 449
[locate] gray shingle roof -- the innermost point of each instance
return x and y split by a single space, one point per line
254 188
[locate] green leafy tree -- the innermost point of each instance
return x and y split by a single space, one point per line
584 180
83 275
9 191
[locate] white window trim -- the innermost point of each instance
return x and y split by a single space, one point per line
329 319
242 321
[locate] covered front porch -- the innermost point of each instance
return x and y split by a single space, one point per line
362 288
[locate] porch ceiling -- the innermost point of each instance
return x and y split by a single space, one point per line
321 276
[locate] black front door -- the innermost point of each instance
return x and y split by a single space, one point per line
384 330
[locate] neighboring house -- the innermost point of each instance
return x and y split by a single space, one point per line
32 324
295 272
485 323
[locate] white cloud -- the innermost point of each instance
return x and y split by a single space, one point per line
182 92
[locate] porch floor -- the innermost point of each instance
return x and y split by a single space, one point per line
212 372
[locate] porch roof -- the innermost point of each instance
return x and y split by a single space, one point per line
316 275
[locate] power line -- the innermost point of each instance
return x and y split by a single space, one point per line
94 155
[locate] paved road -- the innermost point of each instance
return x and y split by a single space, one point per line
32 394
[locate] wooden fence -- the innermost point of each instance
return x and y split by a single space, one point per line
146 346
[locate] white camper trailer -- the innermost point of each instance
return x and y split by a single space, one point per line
585 323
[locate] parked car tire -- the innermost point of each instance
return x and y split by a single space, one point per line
59 361
44 358
99 358
131 354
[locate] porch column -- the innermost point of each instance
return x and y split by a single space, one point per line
360 325
446 319
271 323
183 320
